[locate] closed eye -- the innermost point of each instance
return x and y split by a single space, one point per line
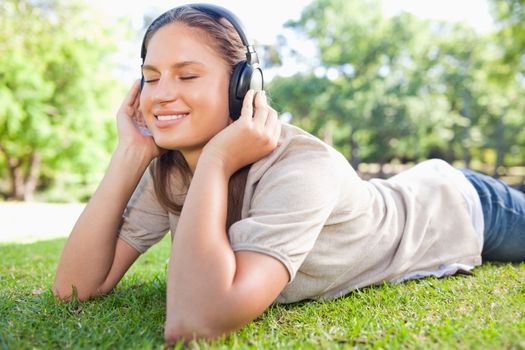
188 77
185 77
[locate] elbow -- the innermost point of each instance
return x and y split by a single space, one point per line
63 292
181 331
68 292
173 334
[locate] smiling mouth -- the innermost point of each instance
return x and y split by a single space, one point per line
171 117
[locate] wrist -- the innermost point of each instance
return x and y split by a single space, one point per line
218 163
132 155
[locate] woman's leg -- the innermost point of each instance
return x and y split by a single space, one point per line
504 217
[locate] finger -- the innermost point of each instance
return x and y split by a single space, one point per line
276 134
272 123
247 106
261 109
131 97
136 89
272 118
134 111
136 103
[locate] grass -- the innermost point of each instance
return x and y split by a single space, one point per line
485 311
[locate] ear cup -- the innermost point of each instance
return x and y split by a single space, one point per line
244 77
239 86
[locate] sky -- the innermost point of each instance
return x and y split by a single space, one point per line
264 23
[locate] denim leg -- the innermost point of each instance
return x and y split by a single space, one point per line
504 218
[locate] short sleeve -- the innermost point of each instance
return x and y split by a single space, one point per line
145 221
290 205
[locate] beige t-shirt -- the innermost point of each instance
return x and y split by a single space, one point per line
306 206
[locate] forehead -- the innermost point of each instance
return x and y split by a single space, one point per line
181 42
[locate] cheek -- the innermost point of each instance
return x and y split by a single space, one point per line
223 97
215 96
220 86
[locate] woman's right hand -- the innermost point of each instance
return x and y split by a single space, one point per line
129 119
251 137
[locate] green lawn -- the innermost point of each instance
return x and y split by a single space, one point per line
485 311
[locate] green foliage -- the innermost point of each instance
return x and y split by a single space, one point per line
373 93
405 88
305 95
55 74
510 16
484 311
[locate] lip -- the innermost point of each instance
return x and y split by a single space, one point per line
180 116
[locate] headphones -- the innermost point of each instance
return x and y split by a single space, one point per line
245 75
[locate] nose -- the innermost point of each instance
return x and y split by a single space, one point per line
166 90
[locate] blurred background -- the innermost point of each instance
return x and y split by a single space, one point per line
388 83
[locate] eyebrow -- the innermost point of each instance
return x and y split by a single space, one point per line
176 65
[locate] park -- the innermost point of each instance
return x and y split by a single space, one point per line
387 92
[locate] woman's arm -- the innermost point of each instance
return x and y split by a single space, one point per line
91 250
94 259
212 290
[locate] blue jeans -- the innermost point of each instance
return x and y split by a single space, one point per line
504 217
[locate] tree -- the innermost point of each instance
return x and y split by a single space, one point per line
303 96
510 16
460 55
55 74
405 88
369 61
505 106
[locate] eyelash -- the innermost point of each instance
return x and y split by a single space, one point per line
189 77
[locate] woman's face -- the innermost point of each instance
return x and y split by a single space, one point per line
184 100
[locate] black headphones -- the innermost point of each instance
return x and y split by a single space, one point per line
246 74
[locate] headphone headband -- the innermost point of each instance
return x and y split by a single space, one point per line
218 12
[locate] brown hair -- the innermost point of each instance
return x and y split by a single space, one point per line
227 43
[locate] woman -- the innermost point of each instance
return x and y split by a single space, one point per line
271 213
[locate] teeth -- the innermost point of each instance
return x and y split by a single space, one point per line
171 117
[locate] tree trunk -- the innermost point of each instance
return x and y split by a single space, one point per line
31 178
450 148
17 181
355 159
381 174
15 175
466 142
500 147
22 184
328 135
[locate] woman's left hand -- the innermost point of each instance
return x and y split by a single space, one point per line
249 138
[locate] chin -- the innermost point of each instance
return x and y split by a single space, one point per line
163 142
167 143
